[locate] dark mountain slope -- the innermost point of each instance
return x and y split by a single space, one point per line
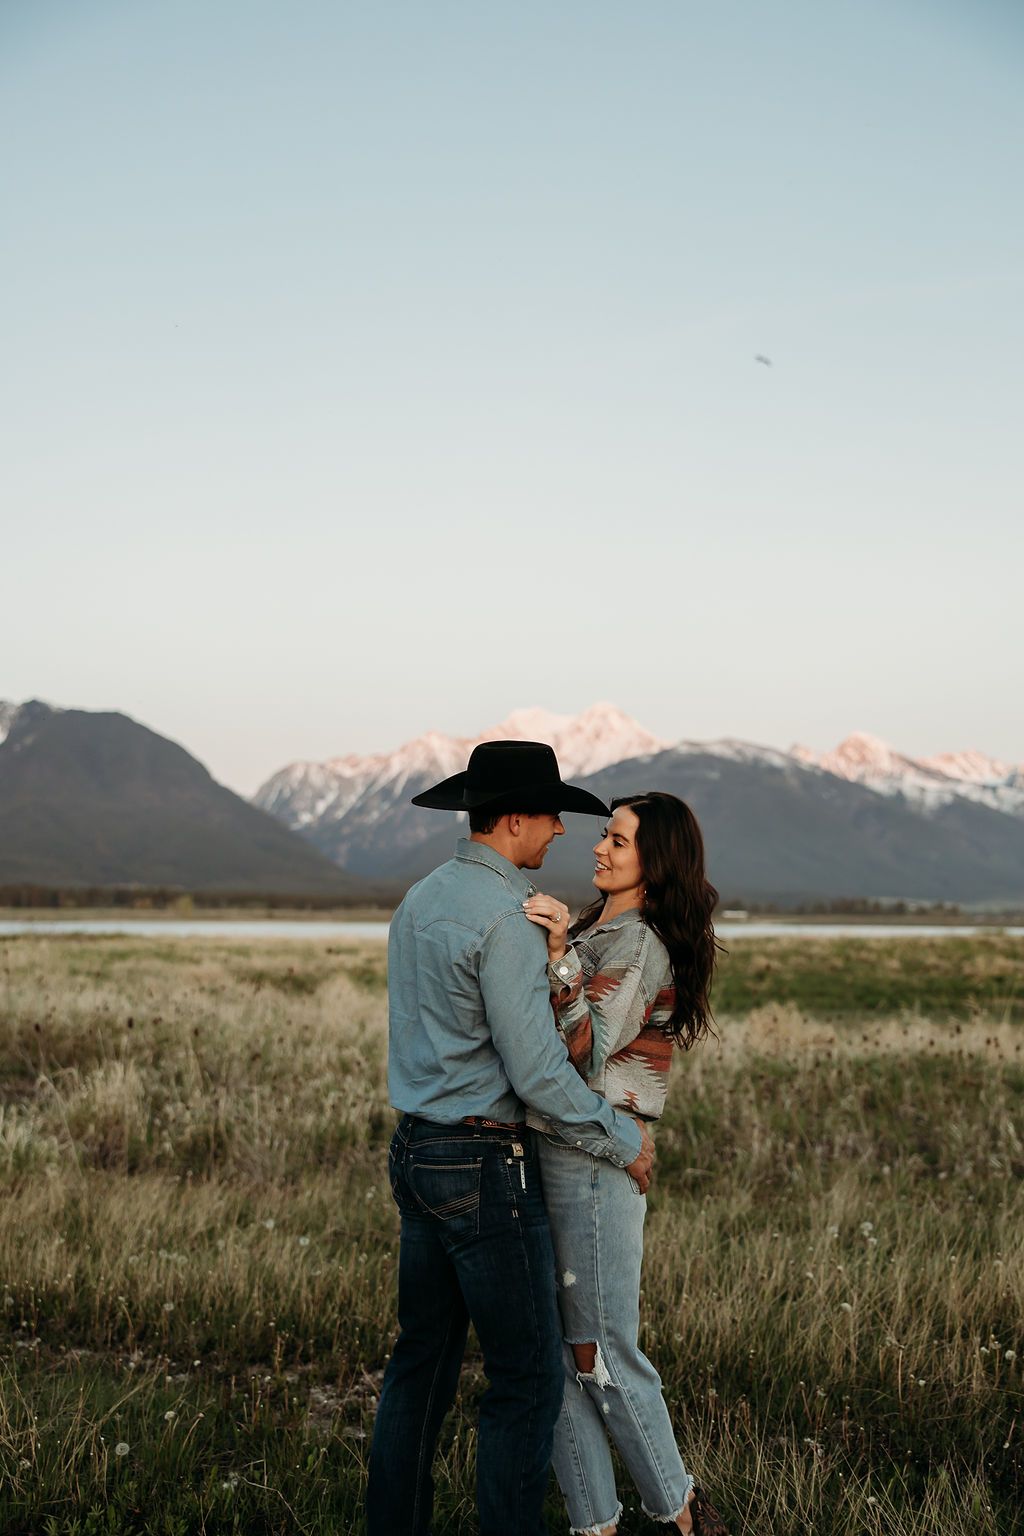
97 799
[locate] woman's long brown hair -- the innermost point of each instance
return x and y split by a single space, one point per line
677 905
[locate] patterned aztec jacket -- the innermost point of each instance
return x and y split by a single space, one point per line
612 995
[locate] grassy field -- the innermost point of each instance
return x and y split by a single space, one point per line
197 1245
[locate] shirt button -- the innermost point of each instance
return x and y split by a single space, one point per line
579 1143
563 970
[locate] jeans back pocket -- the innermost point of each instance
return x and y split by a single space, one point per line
450 1192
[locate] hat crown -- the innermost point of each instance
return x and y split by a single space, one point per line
502 767
511 776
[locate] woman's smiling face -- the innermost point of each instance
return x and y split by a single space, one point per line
618 873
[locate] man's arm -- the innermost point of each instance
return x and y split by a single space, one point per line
513 985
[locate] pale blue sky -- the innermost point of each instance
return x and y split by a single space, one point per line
375 368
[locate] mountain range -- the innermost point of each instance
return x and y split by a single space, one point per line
98 799
784 827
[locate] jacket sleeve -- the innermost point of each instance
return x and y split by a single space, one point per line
514 989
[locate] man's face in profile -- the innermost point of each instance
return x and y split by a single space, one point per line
536 835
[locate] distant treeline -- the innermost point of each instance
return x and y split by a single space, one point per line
863 907
849 906
386 898
170 899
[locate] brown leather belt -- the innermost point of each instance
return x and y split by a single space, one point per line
494 1125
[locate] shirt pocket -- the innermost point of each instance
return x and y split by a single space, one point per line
449 1190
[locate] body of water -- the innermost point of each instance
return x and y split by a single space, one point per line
297 928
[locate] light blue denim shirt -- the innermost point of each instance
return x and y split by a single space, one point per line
470 1025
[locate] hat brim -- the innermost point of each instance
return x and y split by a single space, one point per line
536 799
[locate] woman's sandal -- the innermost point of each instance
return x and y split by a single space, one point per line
706 1519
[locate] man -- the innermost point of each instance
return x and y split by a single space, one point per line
472 1043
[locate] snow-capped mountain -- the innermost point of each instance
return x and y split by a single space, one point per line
357 809
600 736
927 782
311 794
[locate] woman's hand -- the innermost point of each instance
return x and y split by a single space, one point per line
553 915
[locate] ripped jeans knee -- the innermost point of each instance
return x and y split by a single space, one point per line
590 1366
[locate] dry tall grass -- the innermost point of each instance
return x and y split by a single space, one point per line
197 1247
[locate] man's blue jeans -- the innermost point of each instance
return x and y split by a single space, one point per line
475 1248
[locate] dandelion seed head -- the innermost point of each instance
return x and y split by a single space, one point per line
845 1306
168 1306
270 1223
1010 1354
867 1227
303 1242
170 1414
122 1448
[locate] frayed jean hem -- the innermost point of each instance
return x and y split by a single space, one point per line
596 1530
669 1519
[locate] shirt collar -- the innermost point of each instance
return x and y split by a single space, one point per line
483 853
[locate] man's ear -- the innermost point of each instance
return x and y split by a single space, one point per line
513 821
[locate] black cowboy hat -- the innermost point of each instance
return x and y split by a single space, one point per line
511 776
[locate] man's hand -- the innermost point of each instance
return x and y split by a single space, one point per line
640 1167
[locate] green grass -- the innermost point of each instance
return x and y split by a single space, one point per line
197 1243
958 978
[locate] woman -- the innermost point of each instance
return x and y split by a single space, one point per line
628 983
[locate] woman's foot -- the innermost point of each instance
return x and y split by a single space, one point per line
685 1520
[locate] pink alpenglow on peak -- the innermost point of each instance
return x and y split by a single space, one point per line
586 743
972 767
307 794
931 782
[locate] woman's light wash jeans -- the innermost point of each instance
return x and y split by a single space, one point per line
597 1224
